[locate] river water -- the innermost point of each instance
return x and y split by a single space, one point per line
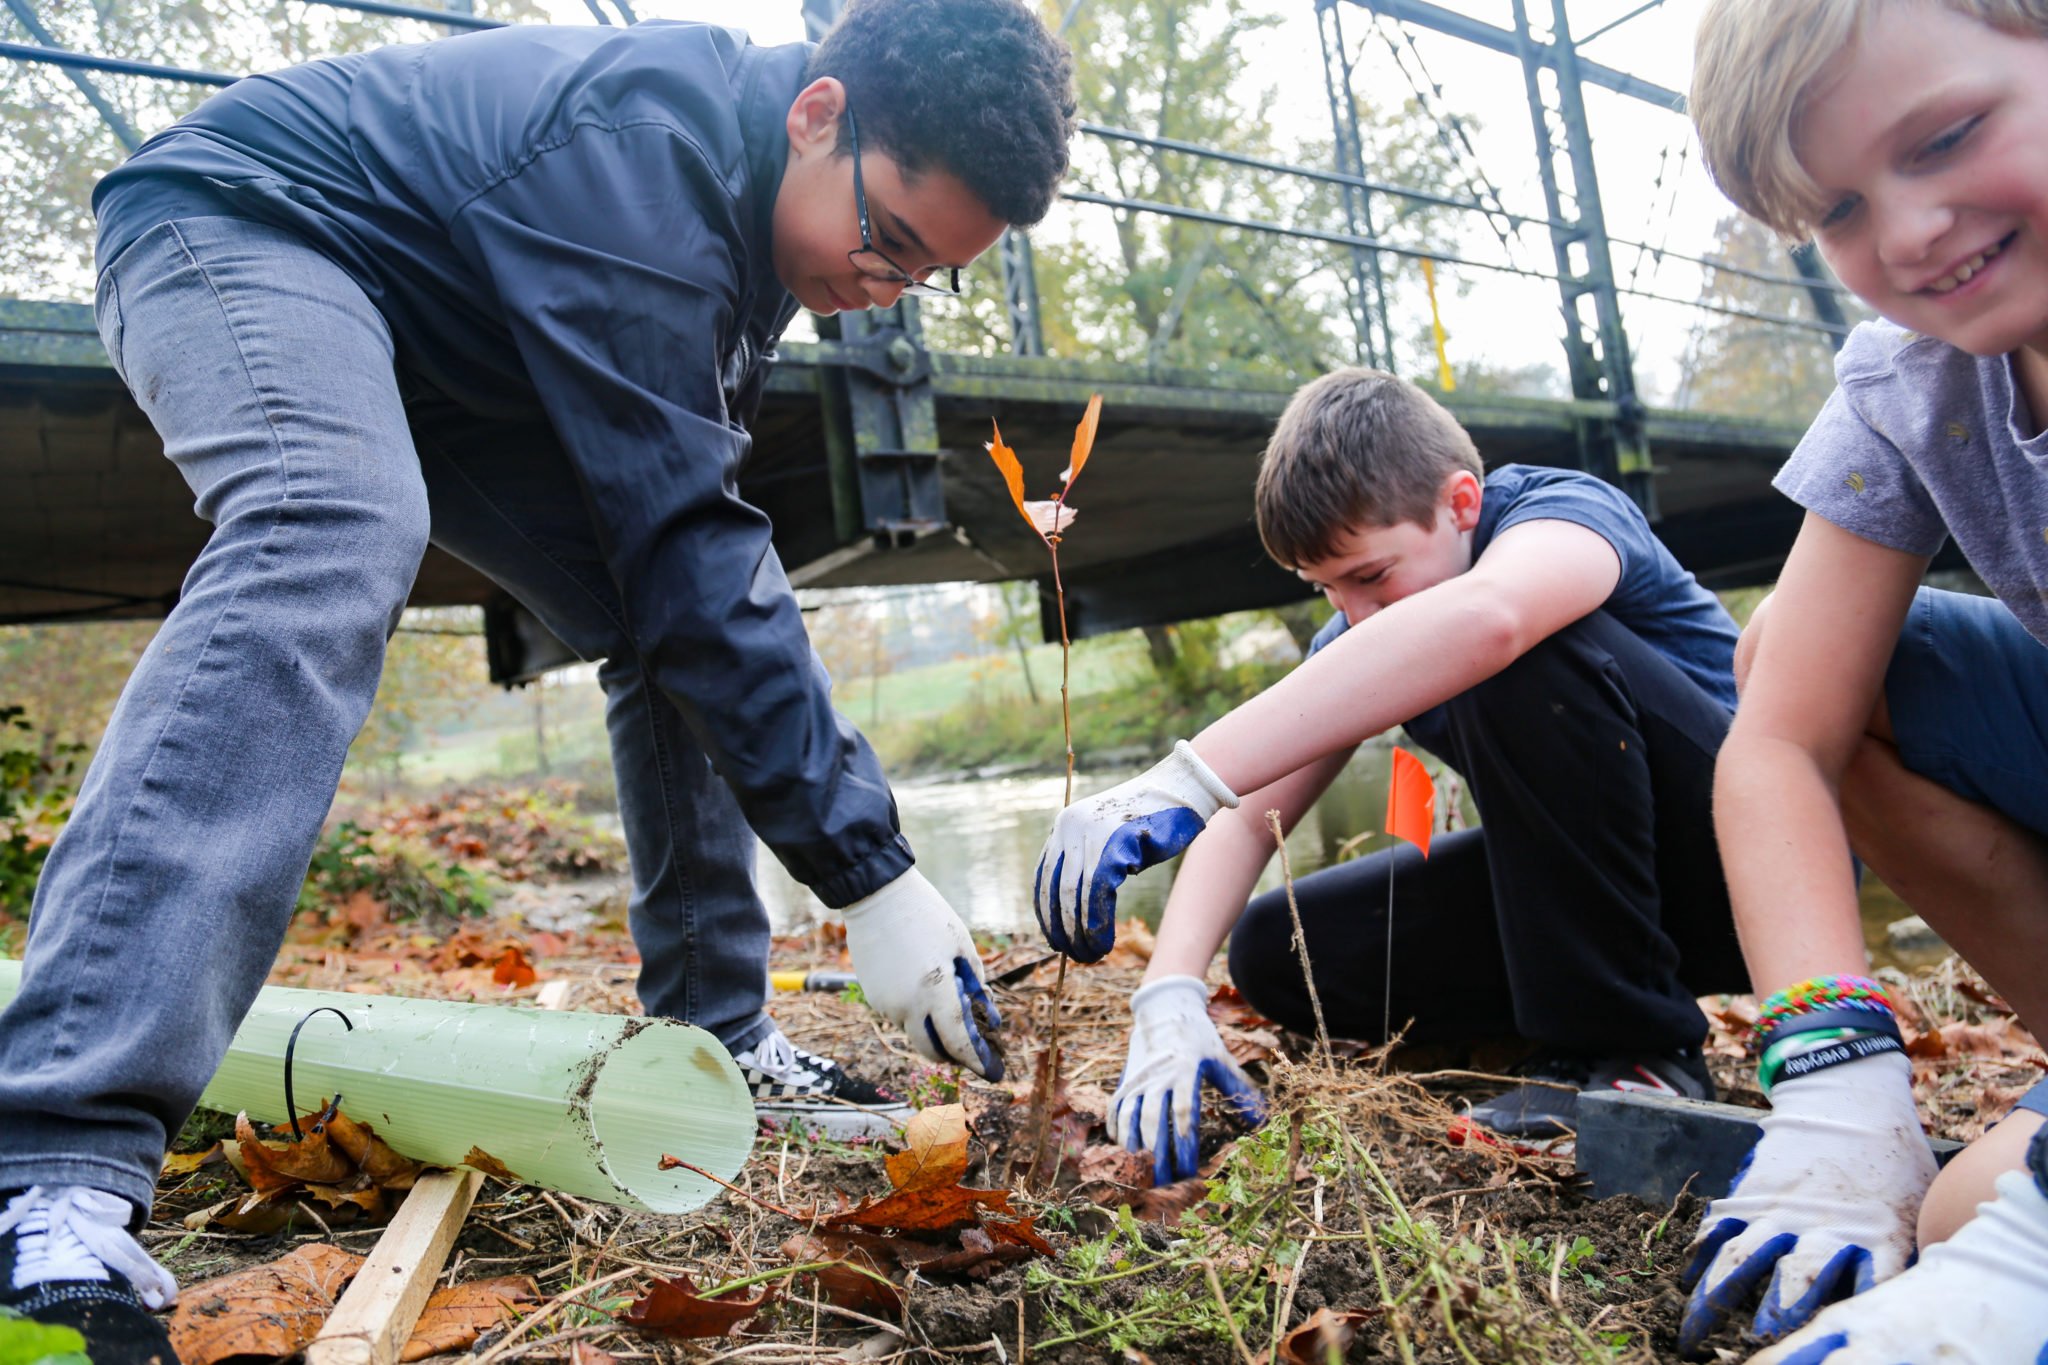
977 839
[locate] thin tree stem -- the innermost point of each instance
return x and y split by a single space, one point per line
1308 975
1052 543
1042 1177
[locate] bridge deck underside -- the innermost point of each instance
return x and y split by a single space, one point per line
94 523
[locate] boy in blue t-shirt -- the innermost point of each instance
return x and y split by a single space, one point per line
1908 725
1527 628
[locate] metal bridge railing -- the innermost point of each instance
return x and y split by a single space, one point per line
1597 346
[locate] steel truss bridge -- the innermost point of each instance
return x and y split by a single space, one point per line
868 450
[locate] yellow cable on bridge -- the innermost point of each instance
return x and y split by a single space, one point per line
1444 378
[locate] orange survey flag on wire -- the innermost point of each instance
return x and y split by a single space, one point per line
1411 801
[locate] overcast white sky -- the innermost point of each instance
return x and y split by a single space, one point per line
1501 320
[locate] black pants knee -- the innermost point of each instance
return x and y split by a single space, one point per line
1586 912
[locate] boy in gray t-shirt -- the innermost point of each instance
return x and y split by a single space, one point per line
1923 441
1907 725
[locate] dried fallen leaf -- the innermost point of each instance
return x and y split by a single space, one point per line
512 969
1166 1203
1983 995
456 1315
1105 1163
1325 1336
673 1308
479 1159
268 1310
363 913
934 1149
248 1214
1020 1233
1227 1005
1135 942
184 1163
1989 1041
926 1210
927 1197
371 1154
277 1168
583 1353
366 1203
857 1276
1248 1045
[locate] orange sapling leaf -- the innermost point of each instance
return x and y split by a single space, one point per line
1084 441
1013 474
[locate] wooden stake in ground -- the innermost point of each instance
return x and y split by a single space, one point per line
377 1312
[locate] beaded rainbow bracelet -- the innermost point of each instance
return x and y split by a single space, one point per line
1818 993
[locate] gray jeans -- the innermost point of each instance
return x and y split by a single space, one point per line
270 377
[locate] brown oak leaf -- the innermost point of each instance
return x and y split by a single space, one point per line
673 1308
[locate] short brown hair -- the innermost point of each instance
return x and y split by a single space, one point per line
1756 62
1356 447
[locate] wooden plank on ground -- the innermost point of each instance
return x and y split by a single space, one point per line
377 1312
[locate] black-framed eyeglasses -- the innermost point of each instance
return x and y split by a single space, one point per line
938 281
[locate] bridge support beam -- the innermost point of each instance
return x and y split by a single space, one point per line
1368 290
1596 348
1020 294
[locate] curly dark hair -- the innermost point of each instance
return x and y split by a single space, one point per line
978 88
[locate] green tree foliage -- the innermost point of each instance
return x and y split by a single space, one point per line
1757 369
1141 287
35 800
434 670
68 677
54 146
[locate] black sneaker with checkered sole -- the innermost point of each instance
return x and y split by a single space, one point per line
793 1087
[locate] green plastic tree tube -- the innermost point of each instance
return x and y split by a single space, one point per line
583 1103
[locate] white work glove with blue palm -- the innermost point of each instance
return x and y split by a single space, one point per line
1175 1049
918 967
1102 839
1826 1206
1980 1298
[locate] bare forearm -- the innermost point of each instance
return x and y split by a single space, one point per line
1413 655
1221 868
1786 852
1818 670
1215 880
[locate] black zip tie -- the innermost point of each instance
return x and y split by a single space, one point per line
290 1108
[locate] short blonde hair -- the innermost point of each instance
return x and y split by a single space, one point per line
1756 61
1354 448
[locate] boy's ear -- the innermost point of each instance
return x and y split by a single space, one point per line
814 115
1463 493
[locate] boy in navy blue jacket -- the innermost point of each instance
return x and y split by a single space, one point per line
509 292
